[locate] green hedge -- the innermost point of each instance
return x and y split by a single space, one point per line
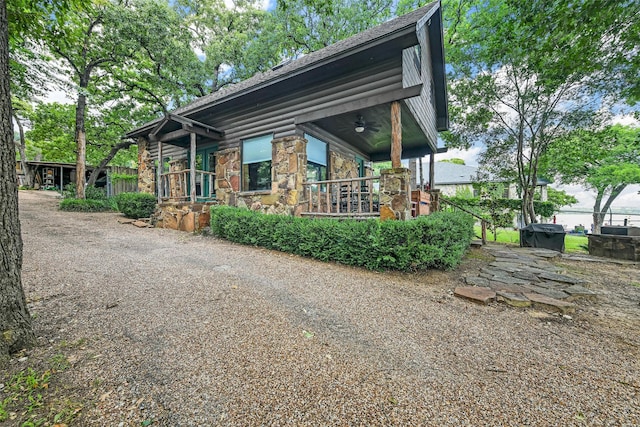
85 205
136 205
435 241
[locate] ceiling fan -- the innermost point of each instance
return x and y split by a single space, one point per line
360 125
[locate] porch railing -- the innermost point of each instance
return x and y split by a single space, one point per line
352 197
174 186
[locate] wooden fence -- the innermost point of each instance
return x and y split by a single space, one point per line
117 185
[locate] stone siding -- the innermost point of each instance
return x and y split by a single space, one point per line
228 176
395 194
146 175
177 186
342 166
288 172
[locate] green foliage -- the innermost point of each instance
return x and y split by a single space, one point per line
136 205
123 177
435 241
91 192
455 161
483 207
31 401
85 205
305 26
53 128
518 79
24 393
51 132
559 198
605 160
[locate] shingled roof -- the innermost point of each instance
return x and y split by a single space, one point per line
307 62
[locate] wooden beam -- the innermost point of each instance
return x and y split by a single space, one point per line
202 132
192 166
173 135
185 121
158 127
396 135
159 172
360 104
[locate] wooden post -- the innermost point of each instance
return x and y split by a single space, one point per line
61 180
192 167
160 172
396 135
432 171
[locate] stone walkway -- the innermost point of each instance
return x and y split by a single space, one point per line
523 277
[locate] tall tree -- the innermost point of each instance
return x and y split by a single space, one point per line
518 78
84 46
305 26
123 52
230 38
606 161
15 321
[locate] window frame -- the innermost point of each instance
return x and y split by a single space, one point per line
247 170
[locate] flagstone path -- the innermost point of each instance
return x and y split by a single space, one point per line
523 277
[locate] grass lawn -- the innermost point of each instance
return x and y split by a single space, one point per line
572 242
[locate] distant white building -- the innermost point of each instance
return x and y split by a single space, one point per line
453 179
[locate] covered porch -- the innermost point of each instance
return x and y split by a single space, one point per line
300 138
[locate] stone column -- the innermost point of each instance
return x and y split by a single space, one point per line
395 194
435 201
146 178
177 186
289 170
228 176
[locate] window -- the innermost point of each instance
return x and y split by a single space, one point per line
316 159
256 163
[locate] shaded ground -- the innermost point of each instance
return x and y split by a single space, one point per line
171 329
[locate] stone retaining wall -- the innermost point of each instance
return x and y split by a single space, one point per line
614 246
183 216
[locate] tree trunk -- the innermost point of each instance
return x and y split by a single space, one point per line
600 212
15 322
22 149
103 164
527 206
81 142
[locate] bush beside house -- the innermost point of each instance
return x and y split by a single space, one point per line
435 241
95 200
136 205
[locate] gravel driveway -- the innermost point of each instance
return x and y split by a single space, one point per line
185 330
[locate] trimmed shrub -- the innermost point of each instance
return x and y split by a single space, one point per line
85 205
136 205
435 241
90 192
